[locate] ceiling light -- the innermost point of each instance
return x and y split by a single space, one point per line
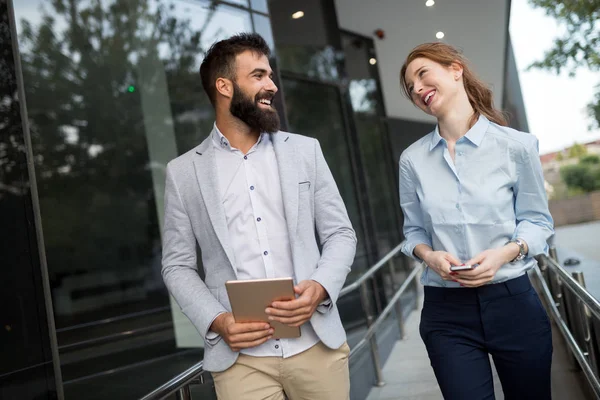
429 3
373 61
440 35
298 14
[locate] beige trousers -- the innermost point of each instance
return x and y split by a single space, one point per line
319 373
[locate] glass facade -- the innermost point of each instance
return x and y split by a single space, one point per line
113 93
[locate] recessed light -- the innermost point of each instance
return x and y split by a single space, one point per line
298 14
429 3
373 61
440 35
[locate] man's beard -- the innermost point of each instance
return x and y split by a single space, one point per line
250 112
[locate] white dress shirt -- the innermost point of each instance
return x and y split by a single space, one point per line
250 190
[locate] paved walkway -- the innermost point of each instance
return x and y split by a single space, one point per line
409 376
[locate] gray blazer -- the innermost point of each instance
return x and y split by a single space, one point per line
194 213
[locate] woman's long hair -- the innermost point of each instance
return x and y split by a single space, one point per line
480 96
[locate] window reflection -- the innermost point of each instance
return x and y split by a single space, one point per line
373 141
315 110
303 45
113 94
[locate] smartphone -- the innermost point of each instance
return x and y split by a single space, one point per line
460 267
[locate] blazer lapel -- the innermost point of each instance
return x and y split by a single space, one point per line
285 153
206 173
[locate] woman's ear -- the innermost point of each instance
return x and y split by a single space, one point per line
224 86
457 70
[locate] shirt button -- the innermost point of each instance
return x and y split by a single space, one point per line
265 253
258 219
245 157
251 187
457 206
276 346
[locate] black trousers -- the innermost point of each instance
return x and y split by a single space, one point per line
461 327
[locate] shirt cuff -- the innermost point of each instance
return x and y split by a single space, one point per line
409 246
325 306
212 337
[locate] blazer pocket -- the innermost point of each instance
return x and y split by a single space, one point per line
303 186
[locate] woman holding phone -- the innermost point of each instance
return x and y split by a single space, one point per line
475 211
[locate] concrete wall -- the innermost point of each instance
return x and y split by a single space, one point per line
478 27
575 210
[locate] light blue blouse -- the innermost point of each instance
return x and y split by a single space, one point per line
492 192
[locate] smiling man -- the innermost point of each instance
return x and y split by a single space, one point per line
255 200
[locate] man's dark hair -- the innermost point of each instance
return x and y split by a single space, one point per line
219 61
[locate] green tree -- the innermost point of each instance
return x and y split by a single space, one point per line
577 151
579 46
583 177
560 157
590 159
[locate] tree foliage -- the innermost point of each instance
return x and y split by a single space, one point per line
579 46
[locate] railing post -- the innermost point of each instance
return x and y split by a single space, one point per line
586 326
553 254
398 305
184 393
364 299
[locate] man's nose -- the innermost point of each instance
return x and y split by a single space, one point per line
271 86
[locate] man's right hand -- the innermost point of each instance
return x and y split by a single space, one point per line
241 335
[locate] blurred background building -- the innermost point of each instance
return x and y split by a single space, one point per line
97 96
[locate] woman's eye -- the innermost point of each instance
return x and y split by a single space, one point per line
422 72
410 89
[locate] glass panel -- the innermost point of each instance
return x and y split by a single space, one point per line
113 94
262 26
259 5
302 43
240 2
315 110
26 363
372 136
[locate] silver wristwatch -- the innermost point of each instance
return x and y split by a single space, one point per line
521 245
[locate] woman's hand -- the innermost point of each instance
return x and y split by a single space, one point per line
440 262
486 263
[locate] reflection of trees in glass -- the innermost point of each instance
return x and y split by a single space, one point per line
82 67
315 62
10 119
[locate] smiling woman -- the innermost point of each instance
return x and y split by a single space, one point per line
472 193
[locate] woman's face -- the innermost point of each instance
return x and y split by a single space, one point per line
432 86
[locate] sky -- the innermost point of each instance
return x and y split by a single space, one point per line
555 105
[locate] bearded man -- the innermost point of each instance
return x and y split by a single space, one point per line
256 200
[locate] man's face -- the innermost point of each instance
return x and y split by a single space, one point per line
253 93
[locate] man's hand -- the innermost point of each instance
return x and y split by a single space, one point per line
440 262
296 312
241 335
489 262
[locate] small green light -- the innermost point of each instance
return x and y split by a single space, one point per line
131 89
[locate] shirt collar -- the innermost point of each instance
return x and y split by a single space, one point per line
474 135
221 141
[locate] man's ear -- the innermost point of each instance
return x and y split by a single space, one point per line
225 87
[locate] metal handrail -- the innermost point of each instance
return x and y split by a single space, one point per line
587 308
570 339
579 291
180 383
177 383
370 272
392 303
